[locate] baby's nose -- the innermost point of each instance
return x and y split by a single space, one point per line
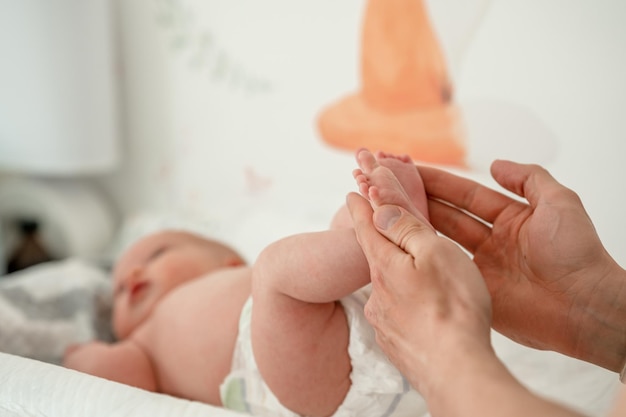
134 275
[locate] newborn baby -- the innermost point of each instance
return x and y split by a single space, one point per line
284 337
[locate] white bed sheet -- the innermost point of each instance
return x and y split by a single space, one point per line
29 388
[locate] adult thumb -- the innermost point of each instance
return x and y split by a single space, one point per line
406 230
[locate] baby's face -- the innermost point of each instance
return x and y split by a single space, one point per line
154 266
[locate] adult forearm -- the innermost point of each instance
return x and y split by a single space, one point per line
481 386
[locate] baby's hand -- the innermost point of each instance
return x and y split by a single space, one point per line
71 349
123 362
83 356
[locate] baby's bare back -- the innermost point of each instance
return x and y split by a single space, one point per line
191 334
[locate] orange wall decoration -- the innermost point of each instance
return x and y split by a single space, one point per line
405 104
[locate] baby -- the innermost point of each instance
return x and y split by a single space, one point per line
284 337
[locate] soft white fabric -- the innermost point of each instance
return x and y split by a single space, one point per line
47 307
377 390
29 388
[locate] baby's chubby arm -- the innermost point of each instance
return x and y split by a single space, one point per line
123 362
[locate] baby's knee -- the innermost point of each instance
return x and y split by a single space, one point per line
341 219
264 270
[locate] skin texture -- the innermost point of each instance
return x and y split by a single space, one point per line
543 248
155 266
162 285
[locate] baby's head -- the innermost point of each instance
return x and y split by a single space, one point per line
155 265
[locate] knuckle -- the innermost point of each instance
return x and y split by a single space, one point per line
409 232
370 313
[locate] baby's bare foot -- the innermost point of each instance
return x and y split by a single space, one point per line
408 177
379 185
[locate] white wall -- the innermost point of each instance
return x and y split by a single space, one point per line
564 60
221 98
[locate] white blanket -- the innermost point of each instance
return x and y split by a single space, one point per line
29 388
48 307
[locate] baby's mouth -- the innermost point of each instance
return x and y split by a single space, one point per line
138 290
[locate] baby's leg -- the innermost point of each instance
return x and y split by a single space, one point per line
341 219
300 334
299 331
379 183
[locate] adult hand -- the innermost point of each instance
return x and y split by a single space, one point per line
429 304
431 312
553 284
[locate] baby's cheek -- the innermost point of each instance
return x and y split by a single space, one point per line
121 323
180 274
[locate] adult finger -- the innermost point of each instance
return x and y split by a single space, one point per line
530 181
476 199
377 248
453 222
403 229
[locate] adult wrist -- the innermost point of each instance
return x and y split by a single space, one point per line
482 386
452 365
468 383
602 321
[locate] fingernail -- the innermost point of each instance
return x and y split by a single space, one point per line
386 216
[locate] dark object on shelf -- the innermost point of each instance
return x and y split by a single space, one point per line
29 251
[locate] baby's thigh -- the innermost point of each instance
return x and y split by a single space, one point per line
301 350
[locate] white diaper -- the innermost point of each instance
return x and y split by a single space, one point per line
377 390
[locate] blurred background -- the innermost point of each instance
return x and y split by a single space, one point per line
120 116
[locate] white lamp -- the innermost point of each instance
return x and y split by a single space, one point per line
58 113
57 106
